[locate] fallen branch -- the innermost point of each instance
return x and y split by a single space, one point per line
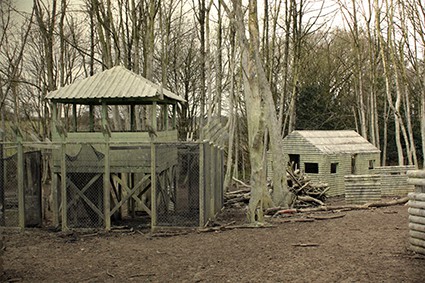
306 245
281 210
241 183
310 199
231 227
326 217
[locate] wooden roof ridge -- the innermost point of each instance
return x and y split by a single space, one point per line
116 83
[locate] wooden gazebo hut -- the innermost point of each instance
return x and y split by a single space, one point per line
107 167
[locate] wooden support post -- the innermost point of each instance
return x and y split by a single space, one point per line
212 179
132 117
54 117
153 186
165 112
2 178
74 117
55 177
106 183
63 185
107 172
201 185
153 117
20 177
173 121
91 117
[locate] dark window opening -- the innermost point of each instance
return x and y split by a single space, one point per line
334 167
311 168
371 164
294 161
353 163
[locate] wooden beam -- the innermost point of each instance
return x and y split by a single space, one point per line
173 122
74 117
104 114
153 117
106 176
20 177
63 186
132 117
54 117
153 186
165 112
91 117
201 185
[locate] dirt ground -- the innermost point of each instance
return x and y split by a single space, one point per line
359 246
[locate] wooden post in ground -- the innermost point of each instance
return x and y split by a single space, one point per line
61 131
153 186
201 185
107 169
20 177
2 181
55 175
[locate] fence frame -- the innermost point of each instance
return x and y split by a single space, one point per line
209 182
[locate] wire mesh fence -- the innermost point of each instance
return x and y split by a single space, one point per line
9 186
14 176
94 185
84 173
177 186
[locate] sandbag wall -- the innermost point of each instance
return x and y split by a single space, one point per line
417 211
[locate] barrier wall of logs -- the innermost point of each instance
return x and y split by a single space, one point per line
417 211
361 189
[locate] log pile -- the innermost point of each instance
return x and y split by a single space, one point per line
238 197
306 192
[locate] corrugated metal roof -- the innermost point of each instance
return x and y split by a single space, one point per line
114 83
334 142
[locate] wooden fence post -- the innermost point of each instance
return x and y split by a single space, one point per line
62 133
153 187
106 182
201 185
20 177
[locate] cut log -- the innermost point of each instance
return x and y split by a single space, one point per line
310 199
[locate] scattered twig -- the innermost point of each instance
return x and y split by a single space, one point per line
231 227
110 274
326 217
305 245
142 275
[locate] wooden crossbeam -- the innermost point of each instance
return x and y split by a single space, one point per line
130 193
81 195
84 189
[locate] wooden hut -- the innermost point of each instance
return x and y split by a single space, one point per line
96 154
328 156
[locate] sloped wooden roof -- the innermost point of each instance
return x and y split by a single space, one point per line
115 86
336 142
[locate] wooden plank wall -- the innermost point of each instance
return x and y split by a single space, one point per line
394 180
361 189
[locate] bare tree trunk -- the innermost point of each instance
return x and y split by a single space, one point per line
201 19
219 62
260 114
394 107
231 124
